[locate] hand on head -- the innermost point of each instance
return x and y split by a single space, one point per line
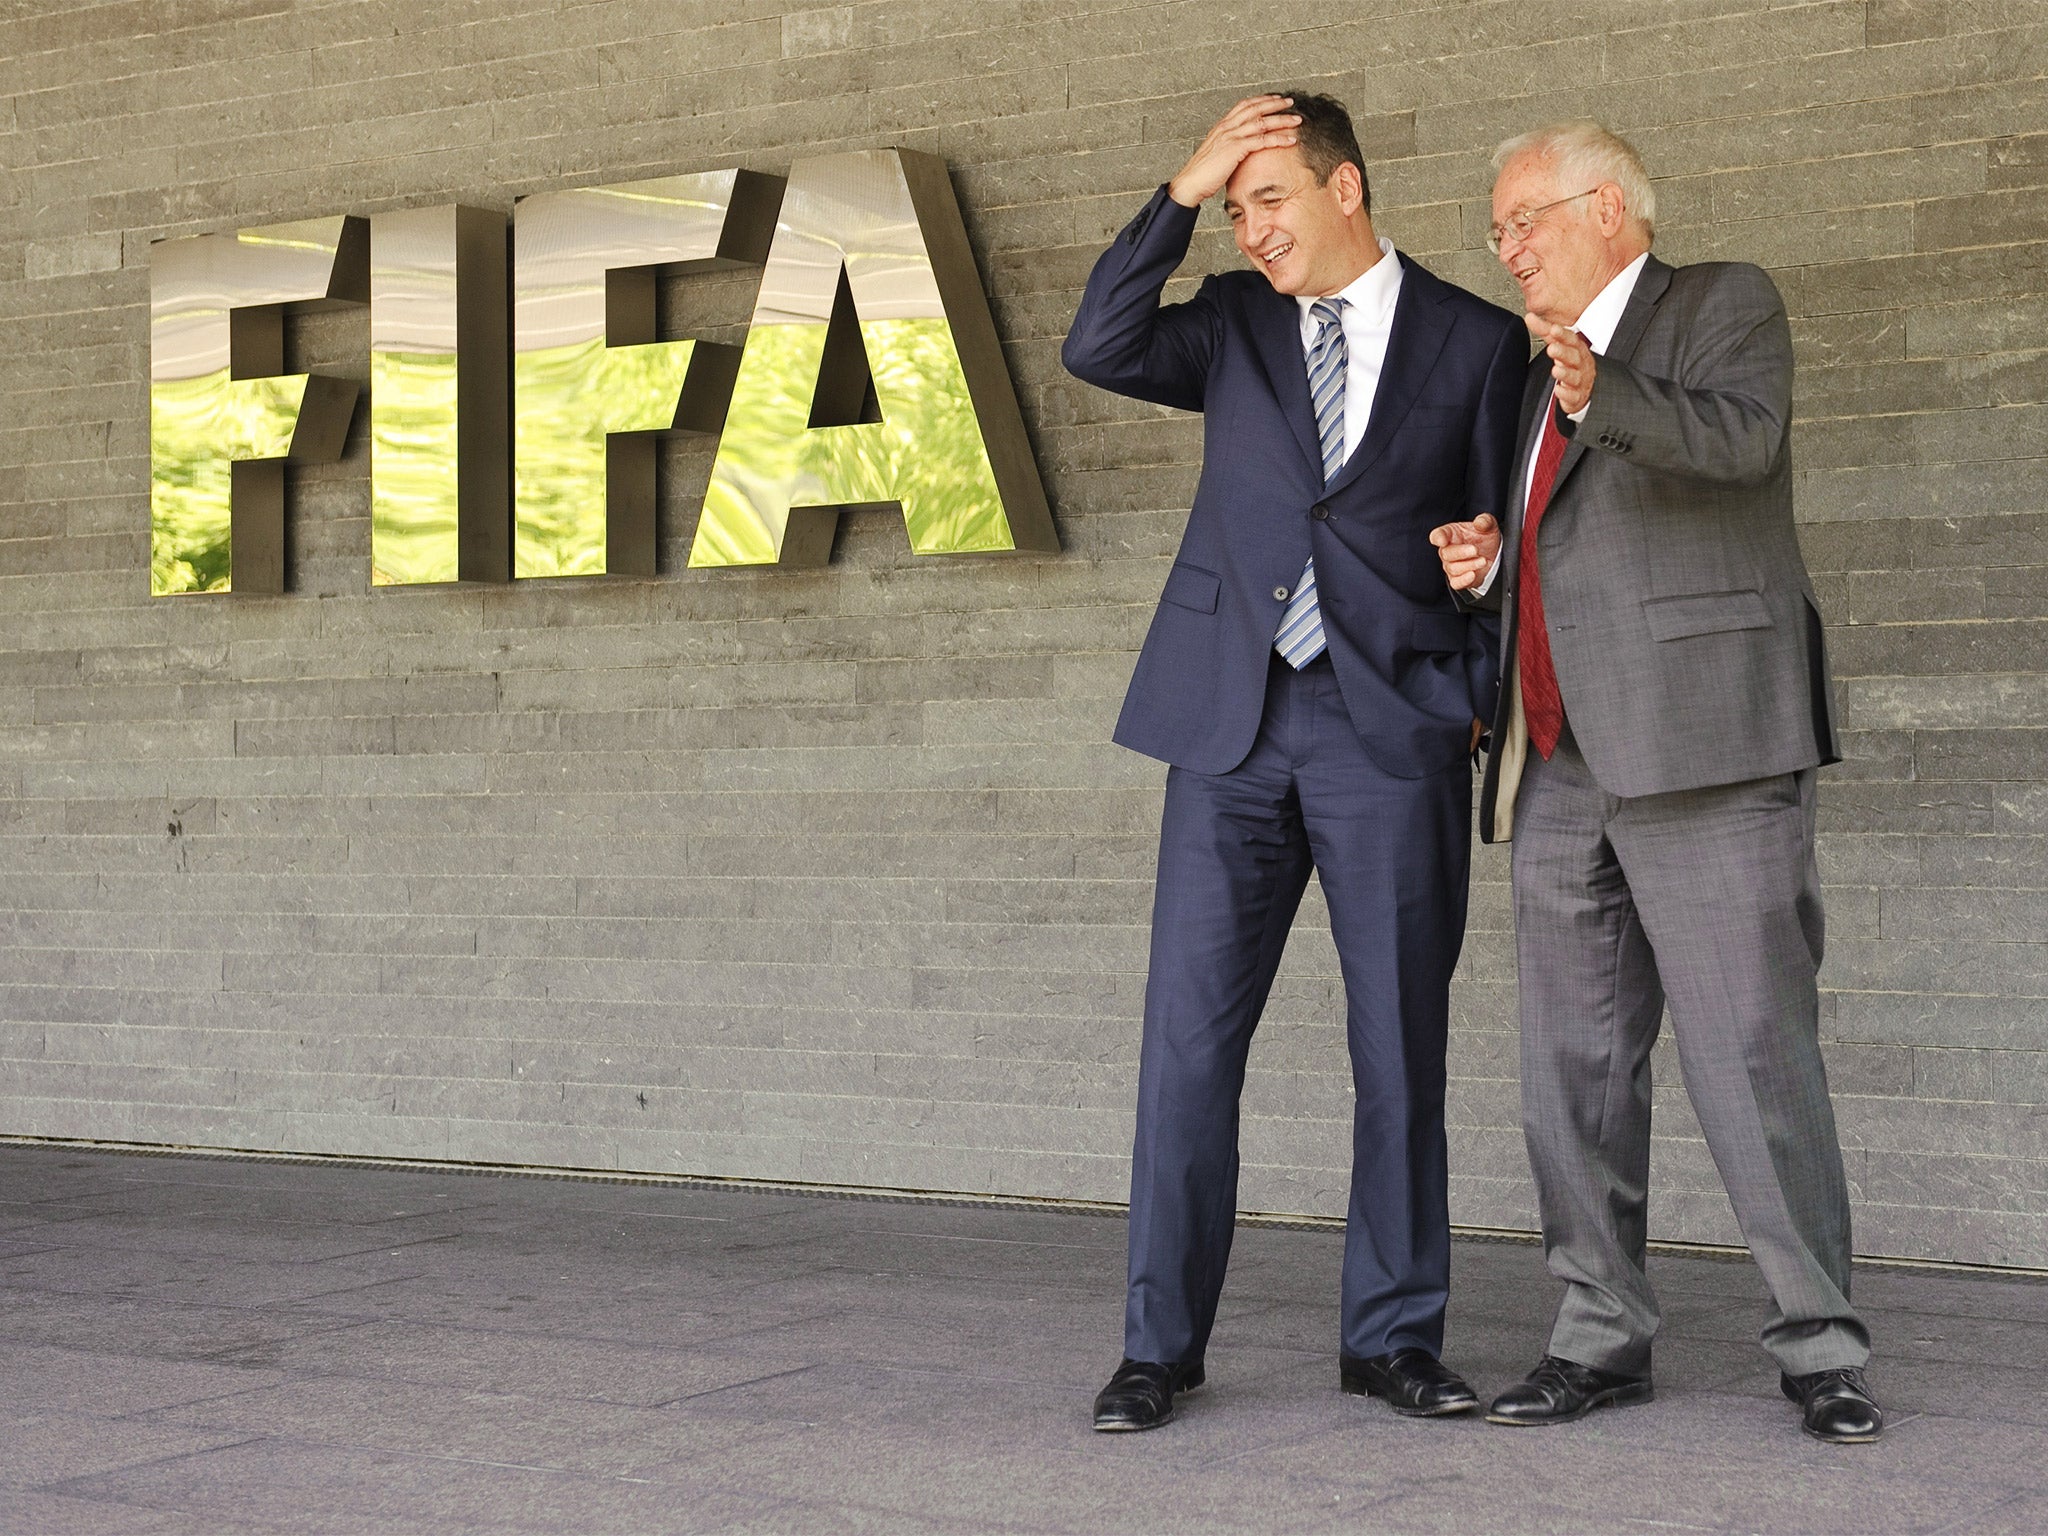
1467 550
1256 123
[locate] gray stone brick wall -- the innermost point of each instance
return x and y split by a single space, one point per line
835 875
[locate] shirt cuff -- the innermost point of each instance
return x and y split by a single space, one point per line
1491 572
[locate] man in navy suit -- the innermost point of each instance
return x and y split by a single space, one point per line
1316 690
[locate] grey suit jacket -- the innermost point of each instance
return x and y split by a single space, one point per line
1682 621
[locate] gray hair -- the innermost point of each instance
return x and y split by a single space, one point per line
1583 151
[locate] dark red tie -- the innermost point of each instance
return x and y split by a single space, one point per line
1542 705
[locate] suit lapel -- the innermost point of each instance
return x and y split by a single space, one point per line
1635 319
1413 342
1275 321
1635 316
1535 392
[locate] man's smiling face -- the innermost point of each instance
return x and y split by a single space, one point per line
1290 228
1565 259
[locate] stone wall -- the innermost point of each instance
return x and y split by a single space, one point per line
834 875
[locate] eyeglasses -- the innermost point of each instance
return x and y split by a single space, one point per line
1523 220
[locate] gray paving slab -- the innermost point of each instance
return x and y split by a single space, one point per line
166 1330
2024 1514
2008 1393
578 1435
645 1313
1583 1481
38 1446
55 1514
495 1360
860 1520
114 1379
1978 1293
1921 1335
1000 1340
303 1486
143 1274
193 1344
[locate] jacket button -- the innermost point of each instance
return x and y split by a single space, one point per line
1279 594
1320 513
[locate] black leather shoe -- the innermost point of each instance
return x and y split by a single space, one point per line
1140 1394
1835 1406
1412 1381
1558 1391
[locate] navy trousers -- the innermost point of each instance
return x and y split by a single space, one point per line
1235 851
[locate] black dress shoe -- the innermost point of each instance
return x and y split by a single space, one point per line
1140 1394
1835 1406
1413 1382
1558 1391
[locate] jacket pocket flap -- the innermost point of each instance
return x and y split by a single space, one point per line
1440 632
1705 613
1192 587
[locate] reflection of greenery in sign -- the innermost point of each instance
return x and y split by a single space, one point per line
927 452
755 477
568 400
413 492
197 428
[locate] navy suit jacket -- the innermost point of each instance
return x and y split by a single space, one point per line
1415 667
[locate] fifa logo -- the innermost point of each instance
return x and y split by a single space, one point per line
513 415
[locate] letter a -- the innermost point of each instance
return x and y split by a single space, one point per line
872 374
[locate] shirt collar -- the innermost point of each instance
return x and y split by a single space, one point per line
1370 294
1603 316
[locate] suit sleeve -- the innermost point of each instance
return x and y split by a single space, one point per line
1488 601
1490 472
1724 419
1122 338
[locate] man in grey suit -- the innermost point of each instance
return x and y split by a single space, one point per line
1664 705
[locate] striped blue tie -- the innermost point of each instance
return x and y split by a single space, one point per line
1300 640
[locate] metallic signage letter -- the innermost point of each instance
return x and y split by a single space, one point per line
872 374
591 384
440 495
224 417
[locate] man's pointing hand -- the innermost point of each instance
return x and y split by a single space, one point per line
1467 550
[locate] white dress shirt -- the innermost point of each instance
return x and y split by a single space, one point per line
1368 320
1598 325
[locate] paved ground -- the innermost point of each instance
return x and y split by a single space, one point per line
215 1346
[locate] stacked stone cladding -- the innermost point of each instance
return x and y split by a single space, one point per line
834 875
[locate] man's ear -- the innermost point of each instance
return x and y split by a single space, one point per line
1613 211
1350 188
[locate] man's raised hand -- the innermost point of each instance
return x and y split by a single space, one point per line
1256 123
1571 362
1467 550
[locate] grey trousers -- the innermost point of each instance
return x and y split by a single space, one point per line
1709 898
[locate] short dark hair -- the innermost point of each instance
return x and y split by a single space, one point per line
1327 140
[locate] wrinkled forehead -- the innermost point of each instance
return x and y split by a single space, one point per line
1269 173
1527 181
